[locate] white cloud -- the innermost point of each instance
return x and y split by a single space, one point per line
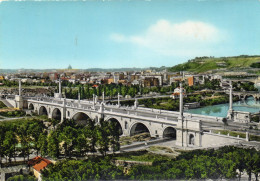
194 38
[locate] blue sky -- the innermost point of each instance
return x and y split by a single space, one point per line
114 34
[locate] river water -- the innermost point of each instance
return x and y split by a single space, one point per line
221 110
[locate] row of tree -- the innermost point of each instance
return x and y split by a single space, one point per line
111 90
70 139
20 138
225 163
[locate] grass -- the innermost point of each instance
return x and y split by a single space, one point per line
141 156
241 135
231 133
254 138
161 148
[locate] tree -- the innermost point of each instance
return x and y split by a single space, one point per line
9 145
114 134
256 164
102 132
35 129
53 145
42 144
68 137
2 138
25 140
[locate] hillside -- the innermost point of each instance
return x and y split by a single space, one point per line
204 64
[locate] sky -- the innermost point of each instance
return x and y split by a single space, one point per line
124 33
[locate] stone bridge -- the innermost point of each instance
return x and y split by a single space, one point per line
246 94
130 120
187 129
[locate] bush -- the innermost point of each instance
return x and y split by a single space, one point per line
13 113
22 178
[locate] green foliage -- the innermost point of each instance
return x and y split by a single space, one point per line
203 64
227 162
141 156
255 65
13 113
91 169
22 178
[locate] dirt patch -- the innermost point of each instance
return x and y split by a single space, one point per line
127 140
162 150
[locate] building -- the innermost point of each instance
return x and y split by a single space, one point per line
38 164
190 81
150 81
54 76
176 93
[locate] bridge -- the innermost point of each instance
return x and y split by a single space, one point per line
187 129
245 94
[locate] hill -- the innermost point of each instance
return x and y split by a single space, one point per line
204 64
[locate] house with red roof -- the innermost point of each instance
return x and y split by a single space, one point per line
38 164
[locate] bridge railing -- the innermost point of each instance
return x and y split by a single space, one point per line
129 110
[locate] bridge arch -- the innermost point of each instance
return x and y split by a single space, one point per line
31 107
191 139
81 118
138 128
169 132
117 124
56 114
43 111
248 96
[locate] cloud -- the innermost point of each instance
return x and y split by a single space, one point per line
194 38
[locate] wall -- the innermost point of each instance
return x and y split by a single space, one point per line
211 139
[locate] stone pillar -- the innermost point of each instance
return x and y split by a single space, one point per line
19 98
118 100
103 96
247 136
59 94
136 104
94 101
230 110
60 87
79 97
181 133
20 88
63 115
230 97
181 101
101 110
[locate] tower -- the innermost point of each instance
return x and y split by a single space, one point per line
181 136
19 98
230 114
59 94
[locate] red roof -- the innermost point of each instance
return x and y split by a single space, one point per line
39 163
95 86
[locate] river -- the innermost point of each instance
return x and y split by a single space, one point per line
220 110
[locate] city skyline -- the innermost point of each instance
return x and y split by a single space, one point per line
117 34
